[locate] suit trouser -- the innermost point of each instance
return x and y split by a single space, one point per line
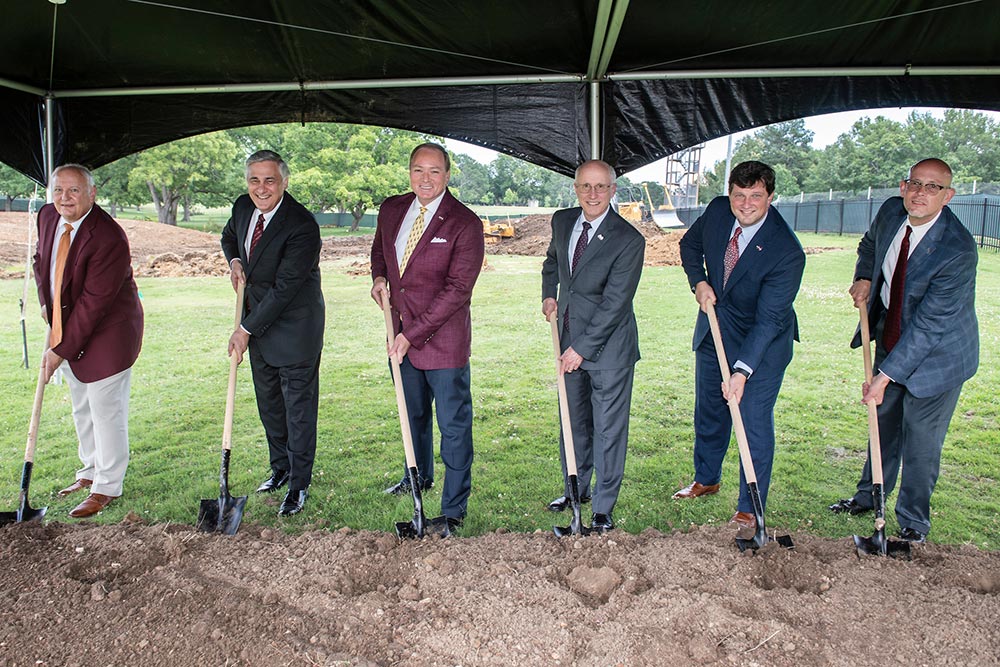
288 403
713 423
600 402
911 433
448 392
100 412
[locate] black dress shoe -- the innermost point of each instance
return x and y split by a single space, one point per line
911 535
849 505
562 502
293 503
403 488
277 480
454 524
601 522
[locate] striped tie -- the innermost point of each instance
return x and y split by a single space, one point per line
411 241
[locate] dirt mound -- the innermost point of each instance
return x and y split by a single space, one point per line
533 232
132 594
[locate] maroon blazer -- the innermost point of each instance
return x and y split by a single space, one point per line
431 302
101 314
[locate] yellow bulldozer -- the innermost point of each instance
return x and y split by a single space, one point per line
495 232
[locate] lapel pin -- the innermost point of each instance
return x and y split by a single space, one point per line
759 248
600 237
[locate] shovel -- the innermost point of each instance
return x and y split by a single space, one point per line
877 544
224 515
761 537
575 526
420 525
24 510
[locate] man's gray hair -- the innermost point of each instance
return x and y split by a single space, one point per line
268 156
611 170
75 167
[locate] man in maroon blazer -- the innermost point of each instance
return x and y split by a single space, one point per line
426 257
96 321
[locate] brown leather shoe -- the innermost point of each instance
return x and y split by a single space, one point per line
744 520
78 485
94 503
694 489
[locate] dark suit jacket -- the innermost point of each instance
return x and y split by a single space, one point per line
101 314
284 309
938 347
434 295
599 294
755 310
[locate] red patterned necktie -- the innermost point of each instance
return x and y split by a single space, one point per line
732 256
581 245
894 317
258 231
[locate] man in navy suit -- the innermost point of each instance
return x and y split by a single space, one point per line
272 244
592 267
741 256
925 348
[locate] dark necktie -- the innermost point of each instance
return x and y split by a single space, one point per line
894 317
581 245
732 256
258 231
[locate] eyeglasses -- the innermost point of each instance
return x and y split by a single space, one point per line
599 188
914 185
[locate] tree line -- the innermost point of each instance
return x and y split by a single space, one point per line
352 168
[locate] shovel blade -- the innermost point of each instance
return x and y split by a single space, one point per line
222 515
575 526
27 513
878 545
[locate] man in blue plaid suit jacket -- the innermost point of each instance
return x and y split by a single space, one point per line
919 379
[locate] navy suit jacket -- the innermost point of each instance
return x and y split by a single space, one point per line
599 293
754 309
938 347
283 309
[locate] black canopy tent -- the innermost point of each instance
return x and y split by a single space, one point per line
551 82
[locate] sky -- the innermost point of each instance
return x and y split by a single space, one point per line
826 129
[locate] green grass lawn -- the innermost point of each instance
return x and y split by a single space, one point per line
179 386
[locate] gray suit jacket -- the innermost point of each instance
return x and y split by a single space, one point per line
602 327
938 347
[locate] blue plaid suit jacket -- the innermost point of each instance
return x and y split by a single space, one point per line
938 348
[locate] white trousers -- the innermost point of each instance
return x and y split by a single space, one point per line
100 412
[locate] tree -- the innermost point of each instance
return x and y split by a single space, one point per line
470 180
14 184
114 186
204 168
787 145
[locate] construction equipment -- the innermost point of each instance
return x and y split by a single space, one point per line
495 232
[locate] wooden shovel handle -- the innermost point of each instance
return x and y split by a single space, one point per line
227 427
734 407
36 414
397 381
874 443
566 425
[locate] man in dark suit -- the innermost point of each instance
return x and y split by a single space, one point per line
83 270
922 314
426 257
272 244
589 277
741 256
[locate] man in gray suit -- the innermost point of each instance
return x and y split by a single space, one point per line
916 274
589 277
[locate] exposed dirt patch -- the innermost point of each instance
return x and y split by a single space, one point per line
131 594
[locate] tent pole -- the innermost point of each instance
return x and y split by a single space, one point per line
595 120
50 148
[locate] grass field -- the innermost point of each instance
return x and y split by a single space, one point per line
179 386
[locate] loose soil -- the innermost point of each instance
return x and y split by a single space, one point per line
136 594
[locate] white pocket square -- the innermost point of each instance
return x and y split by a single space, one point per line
438 239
